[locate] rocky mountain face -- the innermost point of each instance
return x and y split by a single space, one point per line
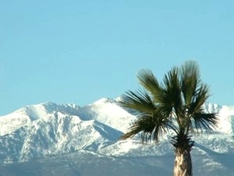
65 139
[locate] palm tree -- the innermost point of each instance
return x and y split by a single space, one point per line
175 105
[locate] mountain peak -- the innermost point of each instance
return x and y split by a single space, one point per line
104 101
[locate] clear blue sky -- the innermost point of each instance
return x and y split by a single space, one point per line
78 51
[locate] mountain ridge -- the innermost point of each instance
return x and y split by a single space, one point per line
50 129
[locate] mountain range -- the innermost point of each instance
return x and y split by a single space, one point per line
65 139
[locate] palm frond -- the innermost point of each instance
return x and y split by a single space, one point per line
171 96
162 123
139 101
143 124
190 80
151 127
199 99
205 121
147 79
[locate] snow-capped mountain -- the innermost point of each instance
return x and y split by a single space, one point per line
50 133
48 129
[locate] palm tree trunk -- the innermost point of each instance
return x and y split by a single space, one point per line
183 163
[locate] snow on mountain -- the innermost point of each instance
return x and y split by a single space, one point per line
10 123
108 111
50 129
47 128
226 120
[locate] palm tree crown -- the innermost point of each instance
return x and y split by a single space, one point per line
175 104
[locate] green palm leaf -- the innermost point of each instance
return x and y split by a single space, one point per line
170 99
151 126
147 79
205 121
139 101
190 81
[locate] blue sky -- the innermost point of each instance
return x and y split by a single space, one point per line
78 51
